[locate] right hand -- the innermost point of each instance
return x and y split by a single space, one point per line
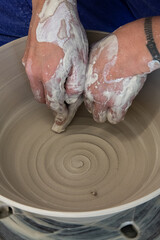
56 56
118 66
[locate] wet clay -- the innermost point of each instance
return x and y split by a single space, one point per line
90 166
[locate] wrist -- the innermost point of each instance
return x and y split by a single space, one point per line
37 5
132 41
156 31
49 7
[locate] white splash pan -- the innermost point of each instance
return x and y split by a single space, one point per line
91 171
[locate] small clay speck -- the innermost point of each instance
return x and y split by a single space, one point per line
94 193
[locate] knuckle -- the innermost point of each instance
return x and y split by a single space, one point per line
32 68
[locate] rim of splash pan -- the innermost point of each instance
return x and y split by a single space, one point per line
84 214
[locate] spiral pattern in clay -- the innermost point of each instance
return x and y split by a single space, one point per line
90 166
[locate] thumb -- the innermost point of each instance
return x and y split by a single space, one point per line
59 126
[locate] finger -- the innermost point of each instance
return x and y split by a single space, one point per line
74 85
55 91
57 106
131 87
54 94
116 114
25 57
71 113
60 110
61 115
88 104
35 83
38 90
99 112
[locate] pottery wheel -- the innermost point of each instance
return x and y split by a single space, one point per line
90 166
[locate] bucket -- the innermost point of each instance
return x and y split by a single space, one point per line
93 181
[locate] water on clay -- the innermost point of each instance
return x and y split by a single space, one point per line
90 166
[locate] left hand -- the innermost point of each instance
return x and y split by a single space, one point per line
56 57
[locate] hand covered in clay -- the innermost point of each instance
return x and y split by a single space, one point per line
55 58
117 70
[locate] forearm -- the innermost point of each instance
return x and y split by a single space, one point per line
51 4
44 9
37 4
132 37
